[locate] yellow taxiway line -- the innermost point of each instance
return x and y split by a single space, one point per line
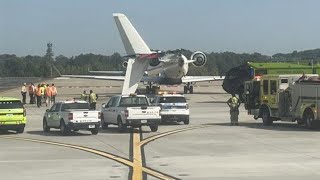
137 157
152 138
137 165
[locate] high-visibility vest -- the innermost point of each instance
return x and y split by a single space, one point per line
54 91
83 96
93 98
42 90
39 91
48 91
31 90
234 102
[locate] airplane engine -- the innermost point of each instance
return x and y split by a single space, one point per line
199 57
154 62
125 64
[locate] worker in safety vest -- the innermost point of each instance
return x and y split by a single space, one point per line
24 93
39 92
84 96
54 93
234 104
32 90
93 100
48 95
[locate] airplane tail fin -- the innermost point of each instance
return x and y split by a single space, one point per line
132 41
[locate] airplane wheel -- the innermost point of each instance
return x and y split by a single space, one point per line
147 89
185 89
191 89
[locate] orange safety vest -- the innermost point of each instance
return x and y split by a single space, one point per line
54 91
38 91
48 91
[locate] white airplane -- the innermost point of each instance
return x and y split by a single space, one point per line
152 67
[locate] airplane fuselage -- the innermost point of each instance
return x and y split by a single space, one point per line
170 67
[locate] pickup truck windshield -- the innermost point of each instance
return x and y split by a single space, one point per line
75 106
10 105
133 102
172 100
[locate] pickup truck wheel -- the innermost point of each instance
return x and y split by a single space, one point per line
186 120
104 125
154 128
20 129
121 126
94 131
45 125
63 128
267 121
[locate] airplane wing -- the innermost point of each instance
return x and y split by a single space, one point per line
107 72
116 78
190 79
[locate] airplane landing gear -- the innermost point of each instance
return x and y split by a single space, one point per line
152 89
188 87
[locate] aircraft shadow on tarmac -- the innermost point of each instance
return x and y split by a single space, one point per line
273 127
115 130
171 123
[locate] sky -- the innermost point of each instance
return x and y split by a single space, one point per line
87 26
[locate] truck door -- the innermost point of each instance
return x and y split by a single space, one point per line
273 93
49 115
107 111
55 116
115 110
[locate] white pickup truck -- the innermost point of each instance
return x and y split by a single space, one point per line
71 115
130 110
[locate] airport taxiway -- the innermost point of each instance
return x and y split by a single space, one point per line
207 148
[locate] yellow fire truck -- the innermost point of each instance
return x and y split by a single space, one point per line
290 97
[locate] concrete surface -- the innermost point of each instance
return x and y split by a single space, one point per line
216 151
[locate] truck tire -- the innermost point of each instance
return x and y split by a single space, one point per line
63 128
308 118
45 126
154 128
104 125
186 120
95 131
267 121
121 126
20 129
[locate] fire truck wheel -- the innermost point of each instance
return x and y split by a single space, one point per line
309 118
267 121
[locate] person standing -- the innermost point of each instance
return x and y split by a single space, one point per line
234 104
93 100
48 95
24 93
84 96
54 93
39 94
31 90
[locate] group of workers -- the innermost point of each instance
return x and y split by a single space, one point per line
91 98
48 93
42 93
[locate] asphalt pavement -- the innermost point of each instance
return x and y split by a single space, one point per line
207 148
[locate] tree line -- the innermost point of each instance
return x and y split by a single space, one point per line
217 63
